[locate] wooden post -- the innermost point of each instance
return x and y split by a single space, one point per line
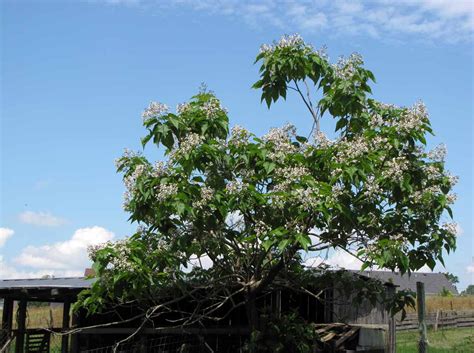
76 322
392 327
7 319
421 308
20 337
65 326
278 303
436 321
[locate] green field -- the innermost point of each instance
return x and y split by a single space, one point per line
460 340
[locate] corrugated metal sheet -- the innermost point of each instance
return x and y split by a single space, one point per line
65 282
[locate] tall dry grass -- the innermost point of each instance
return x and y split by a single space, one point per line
435 303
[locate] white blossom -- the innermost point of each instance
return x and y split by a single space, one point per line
450 227
126 156
286 41
154 110
438 154
321 140
206 194
165 191
280 138
182 107
212 107
351 150
372 188
345 68
239 135
451 198
413 118
395 168
160 169
234 187
453 179
187 145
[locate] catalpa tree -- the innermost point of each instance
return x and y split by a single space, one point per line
252 206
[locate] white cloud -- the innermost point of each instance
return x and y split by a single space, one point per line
342 259
63 258
42 219
445 20
338 259
470 268
5 233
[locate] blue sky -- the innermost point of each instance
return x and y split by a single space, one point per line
77 74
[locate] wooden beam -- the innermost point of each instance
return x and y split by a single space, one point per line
7 319
421 308
392 326
76 322
65 338
20 336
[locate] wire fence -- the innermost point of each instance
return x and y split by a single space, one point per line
164 344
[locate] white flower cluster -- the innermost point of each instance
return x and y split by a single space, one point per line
281 140
337 190
160 169
432 172
286 41
292 174
451 197
234 187
261 228
188 144
372 188
395 168
130 184
417 196
154 110
413 118
351 150
321 140
212 107
165 191
345 68
306 197
127 155
453 179
438 154
182 107
294 227
409 119
376 120
121 260
450 227
239 136
207 194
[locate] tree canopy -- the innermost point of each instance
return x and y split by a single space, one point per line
251 206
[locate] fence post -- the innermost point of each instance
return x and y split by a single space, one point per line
421 308
436 320
392 326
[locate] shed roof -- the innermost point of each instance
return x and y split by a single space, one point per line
434 282
59 282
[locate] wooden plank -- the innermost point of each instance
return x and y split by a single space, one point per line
346 336
20 336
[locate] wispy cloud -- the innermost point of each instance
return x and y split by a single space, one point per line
5 233
439 20
62 258
41 219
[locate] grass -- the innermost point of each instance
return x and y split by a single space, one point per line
458 340
434 303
